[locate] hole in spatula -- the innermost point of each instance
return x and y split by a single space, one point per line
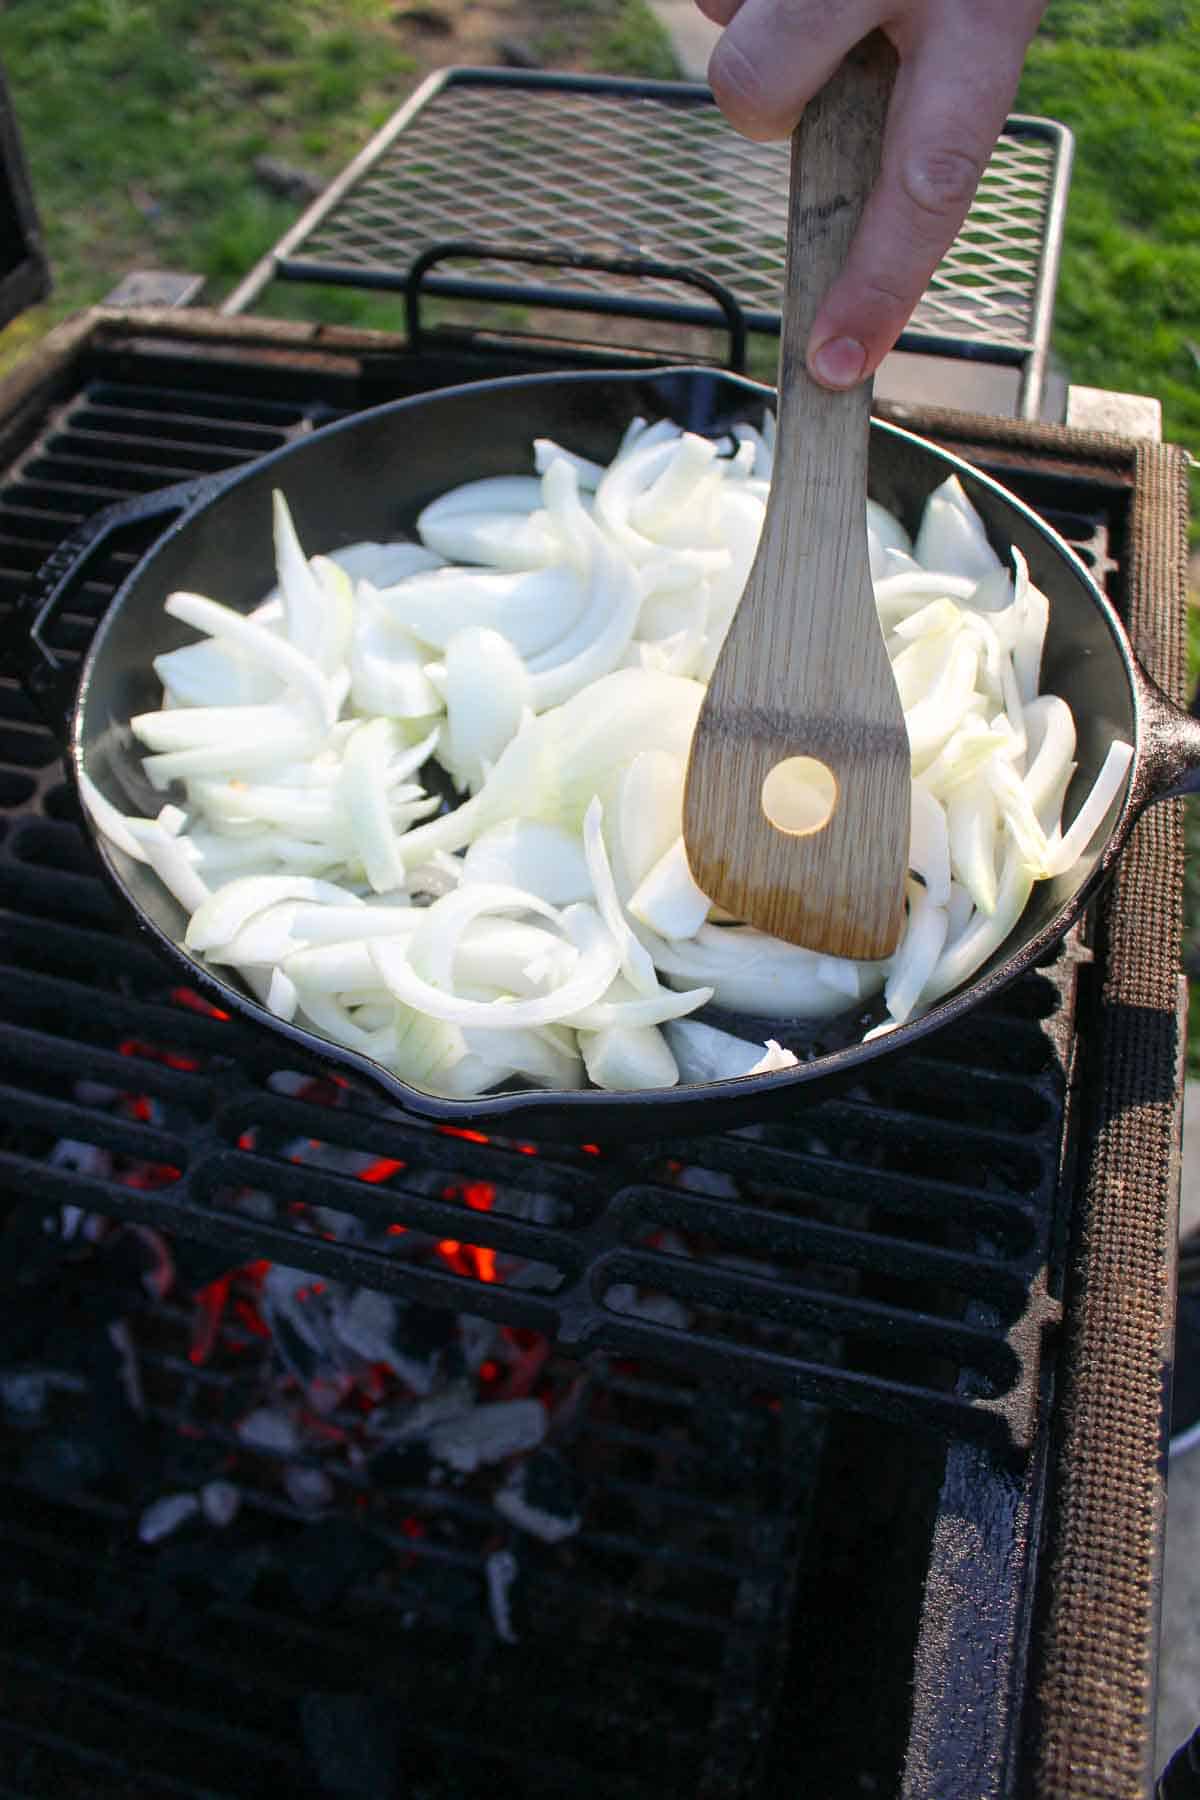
799 795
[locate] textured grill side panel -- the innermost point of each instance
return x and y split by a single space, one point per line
1096 1689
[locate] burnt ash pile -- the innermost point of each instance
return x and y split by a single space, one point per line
590 1546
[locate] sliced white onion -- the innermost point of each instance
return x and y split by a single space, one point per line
625 1060
915 960
487 692
705 1054
667 899
227 912
599 960
542 859
636 964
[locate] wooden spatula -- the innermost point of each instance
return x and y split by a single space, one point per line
802 707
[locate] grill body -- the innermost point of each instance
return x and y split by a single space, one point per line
855 1429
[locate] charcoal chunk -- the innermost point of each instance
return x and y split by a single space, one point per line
353 1743
327 1558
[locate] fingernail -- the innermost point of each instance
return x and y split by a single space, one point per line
839 362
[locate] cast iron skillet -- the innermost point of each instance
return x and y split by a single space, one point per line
368 477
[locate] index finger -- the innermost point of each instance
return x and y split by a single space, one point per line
949 106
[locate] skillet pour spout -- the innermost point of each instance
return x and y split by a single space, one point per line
368 477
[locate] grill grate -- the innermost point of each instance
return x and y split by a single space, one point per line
928 1193
467 160
887 1259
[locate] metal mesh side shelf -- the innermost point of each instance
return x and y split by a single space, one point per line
598 166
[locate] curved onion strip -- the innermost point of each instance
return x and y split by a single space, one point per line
530 1053
487 692
209 673
624 1059
532 608
751 972
636 964
1070 846
1051 726
435 942
362 793
387 664
952 536
304 601
542 859
667 898
235 755
297 671
971 815
282 995
512 957
623 1005
705 1054
110 820
169 857
929 845
599 960
983 934
915 960
294 925
228 910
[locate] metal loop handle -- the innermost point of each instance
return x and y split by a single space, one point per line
48 677
562 258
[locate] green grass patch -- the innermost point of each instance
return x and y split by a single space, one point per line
1124 75
142 122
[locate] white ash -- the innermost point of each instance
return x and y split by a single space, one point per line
292 1298
164 1516
488 1434
159 1278
713 1182
95 1093
346 1227
255 1204
657 1309
122 1340
517 1500
478 1339
534 1277
81 1159
220 1502
268 1428
369 1325
403 1422
500 1569
309 1489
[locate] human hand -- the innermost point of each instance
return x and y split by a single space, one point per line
960 61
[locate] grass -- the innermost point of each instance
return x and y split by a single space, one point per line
142 120
1124 75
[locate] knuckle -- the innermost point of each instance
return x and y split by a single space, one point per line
742 93
941 179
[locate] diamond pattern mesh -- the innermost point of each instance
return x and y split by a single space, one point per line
526 162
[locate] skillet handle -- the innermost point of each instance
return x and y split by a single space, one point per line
1168 766
50 675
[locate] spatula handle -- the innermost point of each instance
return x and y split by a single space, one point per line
836 151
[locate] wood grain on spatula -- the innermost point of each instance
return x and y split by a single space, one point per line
804 672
